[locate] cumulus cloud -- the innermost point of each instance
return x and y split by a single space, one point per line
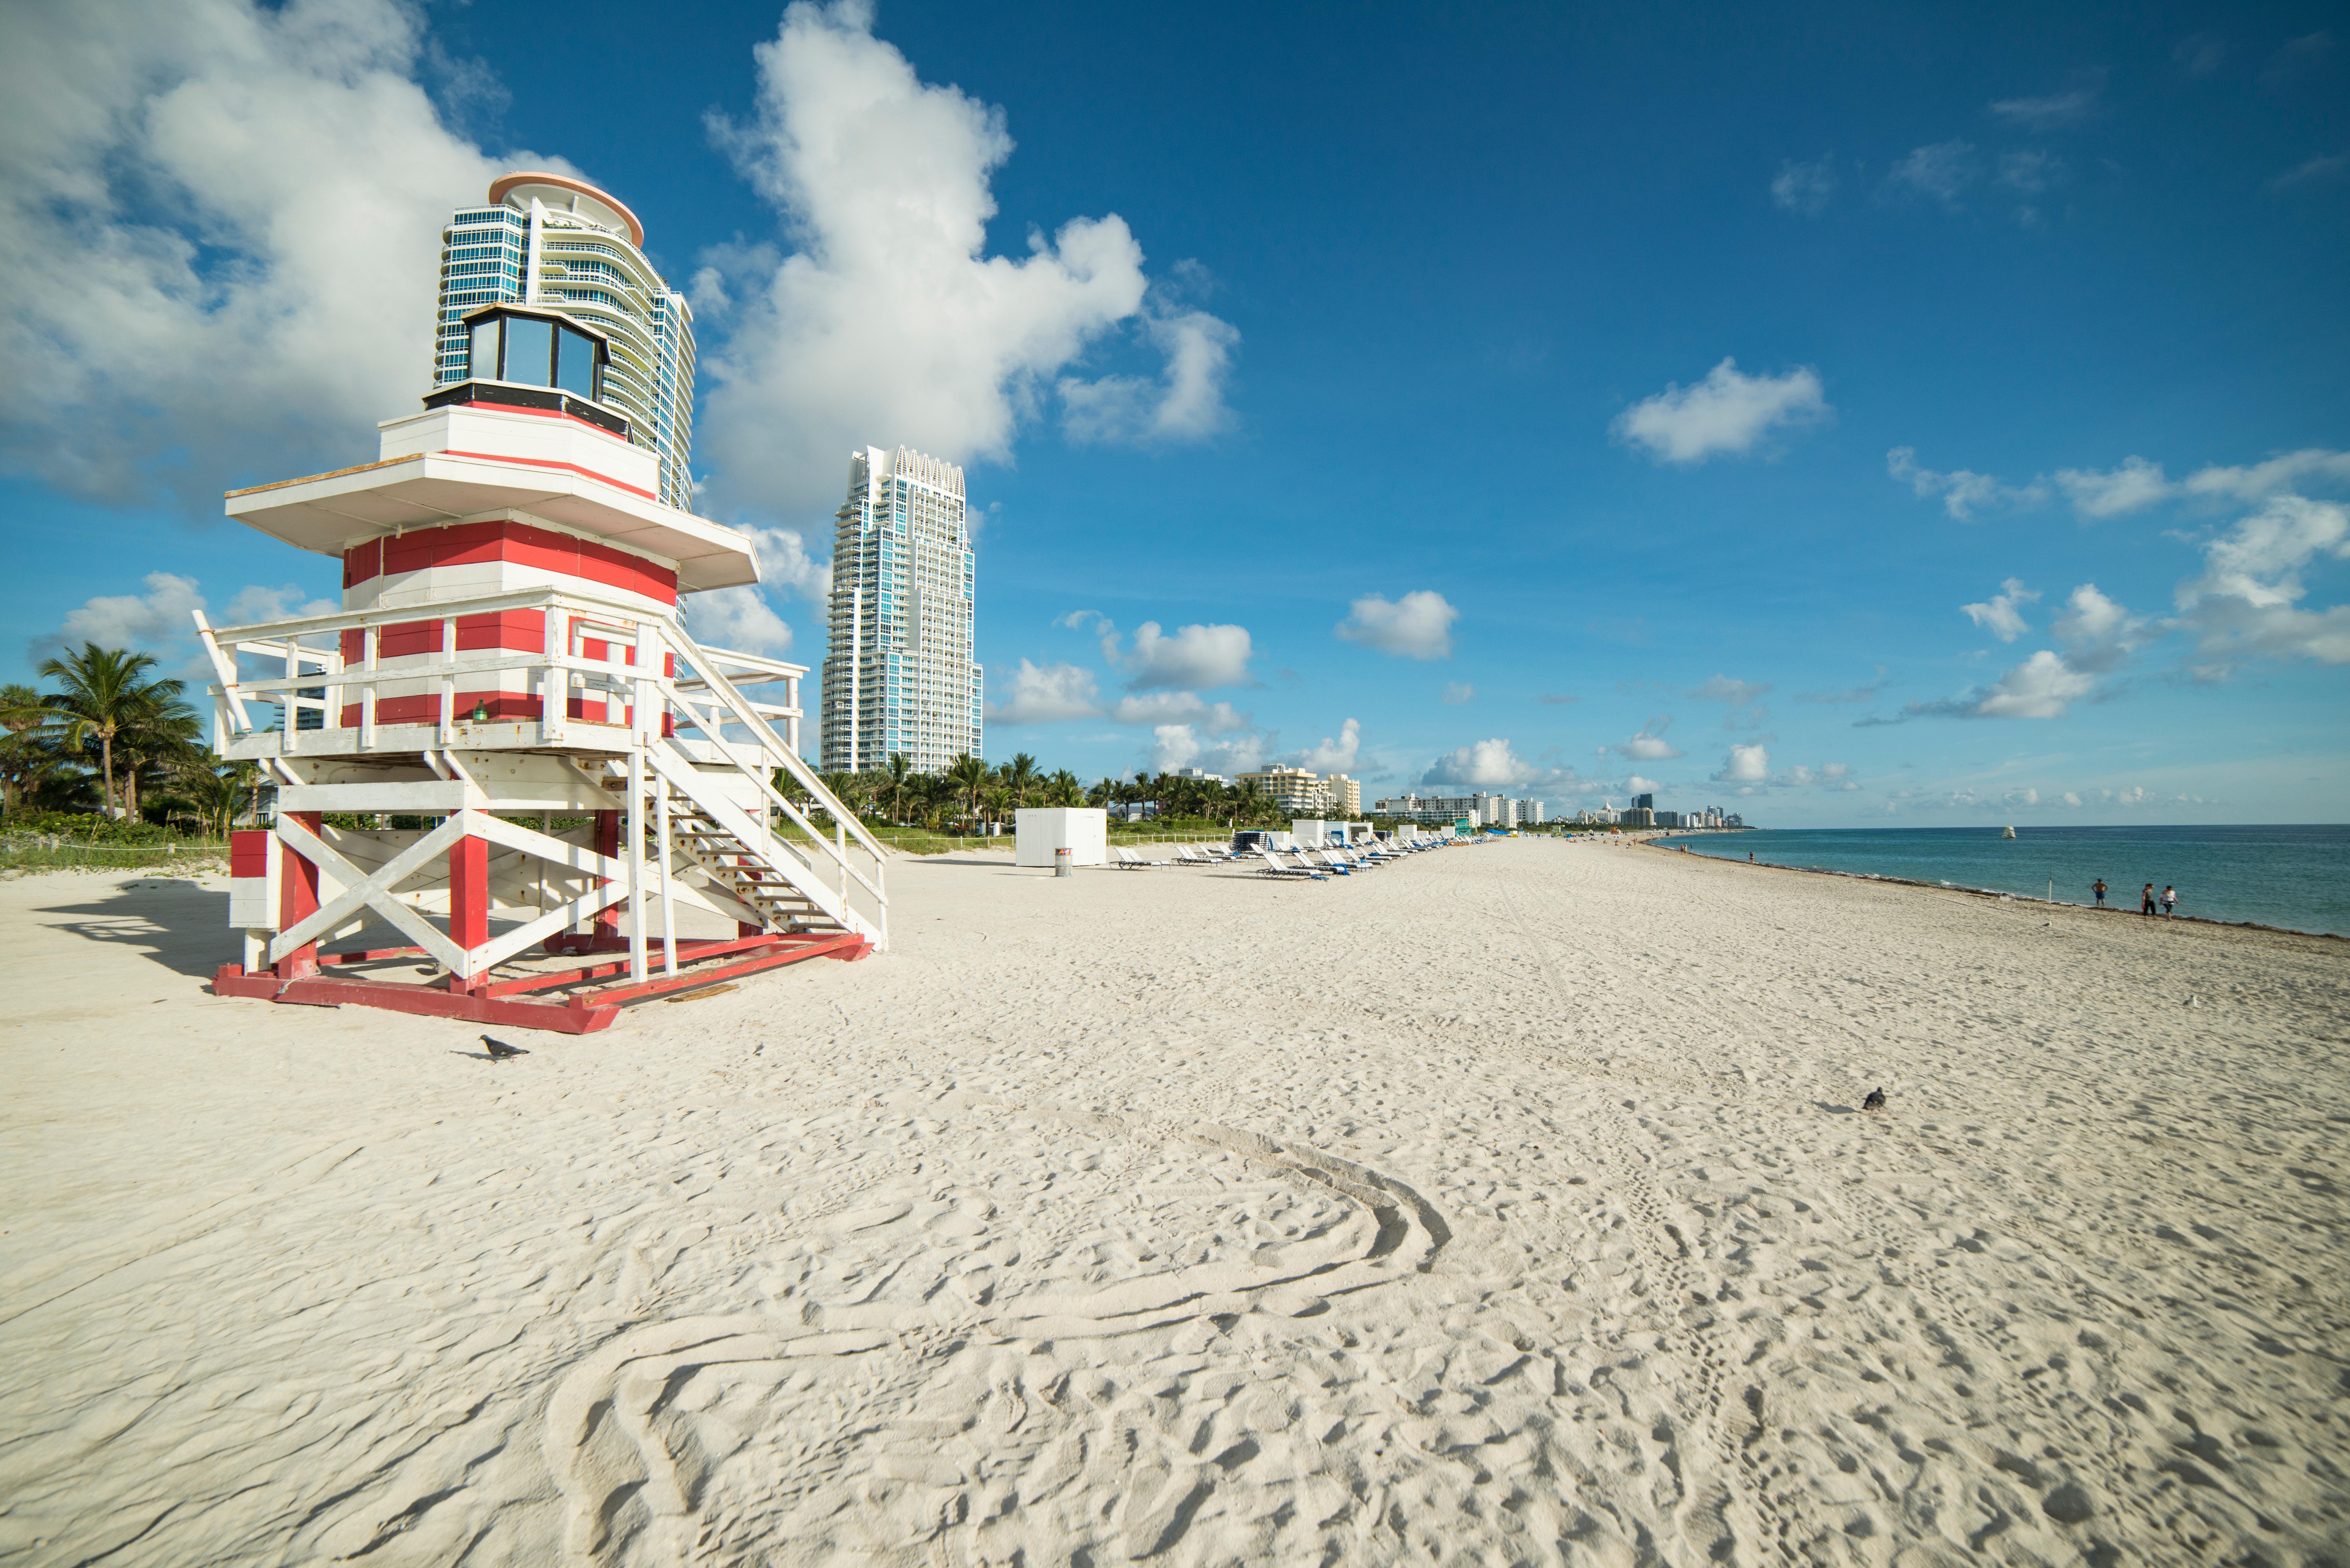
1180 745
889 320
1744 764
1458 692
2093 621
739 618
2137 483
1045 694
1941 170
2108 494
2044 686
1963 492
2245 602
1185 402
1651 745
220 221
2003 615
1195 656
1332 755
162 621
1728 411
1804 188
2047 112
1417 625
785 565
1481 764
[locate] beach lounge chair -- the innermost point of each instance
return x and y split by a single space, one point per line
1277 866
1132 860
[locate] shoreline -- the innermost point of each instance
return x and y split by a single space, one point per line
1995 893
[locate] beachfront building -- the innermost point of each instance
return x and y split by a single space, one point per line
1345 794
1296 790
561 246
1531 812
898 675
1483 809
1199 775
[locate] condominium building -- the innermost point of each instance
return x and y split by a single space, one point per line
899 674
1345 794
562 245
1296 790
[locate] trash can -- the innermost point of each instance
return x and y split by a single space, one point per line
1064 861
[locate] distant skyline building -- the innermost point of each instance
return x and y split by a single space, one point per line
1296 792
561 244
899 671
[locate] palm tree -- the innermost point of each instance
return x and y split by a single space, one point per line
1062 789
1018 776
999 799
220 794
105 692
970 777
167 732
28 751
900 767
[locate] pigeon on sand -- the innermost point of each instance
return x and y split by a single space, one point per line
500 1049
1875 1101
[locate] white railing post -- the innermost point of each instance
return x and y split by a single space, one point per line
667 906
448 681
369 652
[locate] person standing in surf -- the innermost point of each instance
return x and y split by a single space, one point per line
2169 899
2099 889
2146 900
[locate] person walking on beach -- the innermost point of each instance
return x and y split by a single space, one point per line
2169 899
2146 900
2099 889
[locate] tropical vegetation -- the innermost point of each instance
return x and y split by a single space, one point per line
111 754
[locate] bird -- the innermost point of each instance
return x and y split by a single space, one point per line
1875 1101
500 1049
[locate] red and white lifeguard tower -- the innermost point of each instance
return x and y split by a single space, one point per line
510 651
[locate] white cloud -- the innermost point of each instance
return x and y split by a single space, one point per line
220 223
2244 602
1804 188
1045 694
1941 170
1737 693
1481 764
889 322
1651 745
1963 492
2261 480
1639 785
2030 173
2001 617
737 618
1457 694
1185 403
1180 708
1179 745
2042 687
2094 494
2047 112
2093 620
1744 764
156 621
1332 756
1726 412
1417 625
1195 656
1831 776
256 606
784 564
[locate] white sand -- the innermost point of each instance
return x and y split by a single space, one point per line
1503 1206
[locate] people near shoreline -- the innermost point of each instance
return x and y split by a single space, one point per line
2098 887
2169 899
2146 900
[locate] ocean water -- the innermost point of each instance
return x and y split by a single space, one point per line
2297 877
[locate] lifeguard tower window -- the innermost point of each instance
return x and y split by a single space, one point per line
531 351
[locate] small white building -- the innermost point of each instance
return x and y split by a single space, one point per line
1039 831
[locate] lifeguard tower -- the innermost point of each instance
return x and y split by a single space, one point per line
511 651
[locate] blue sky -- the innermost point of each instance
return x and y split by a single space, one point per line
1767 408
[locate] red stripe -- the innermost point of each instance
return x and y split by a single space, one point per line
551 462
517 543
542 414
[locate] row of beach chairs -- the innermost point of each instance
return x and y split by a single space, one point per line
1300 865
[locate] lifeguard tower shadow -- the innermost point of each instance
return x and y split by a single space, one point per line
187 935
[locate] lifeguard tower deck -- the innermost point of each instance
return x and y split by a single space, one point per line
511 651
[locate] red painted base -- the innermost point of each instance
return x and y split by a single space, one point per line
587 1009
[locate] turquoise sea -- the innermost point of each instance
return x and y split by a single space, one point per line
2297 877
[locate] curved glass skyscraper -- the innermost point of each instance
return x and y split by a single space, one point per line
562 245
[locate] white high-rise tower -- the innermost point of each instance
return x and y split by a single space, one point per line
899 674
560 244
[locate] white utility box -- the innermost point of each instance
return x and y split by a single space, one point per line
1084 831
